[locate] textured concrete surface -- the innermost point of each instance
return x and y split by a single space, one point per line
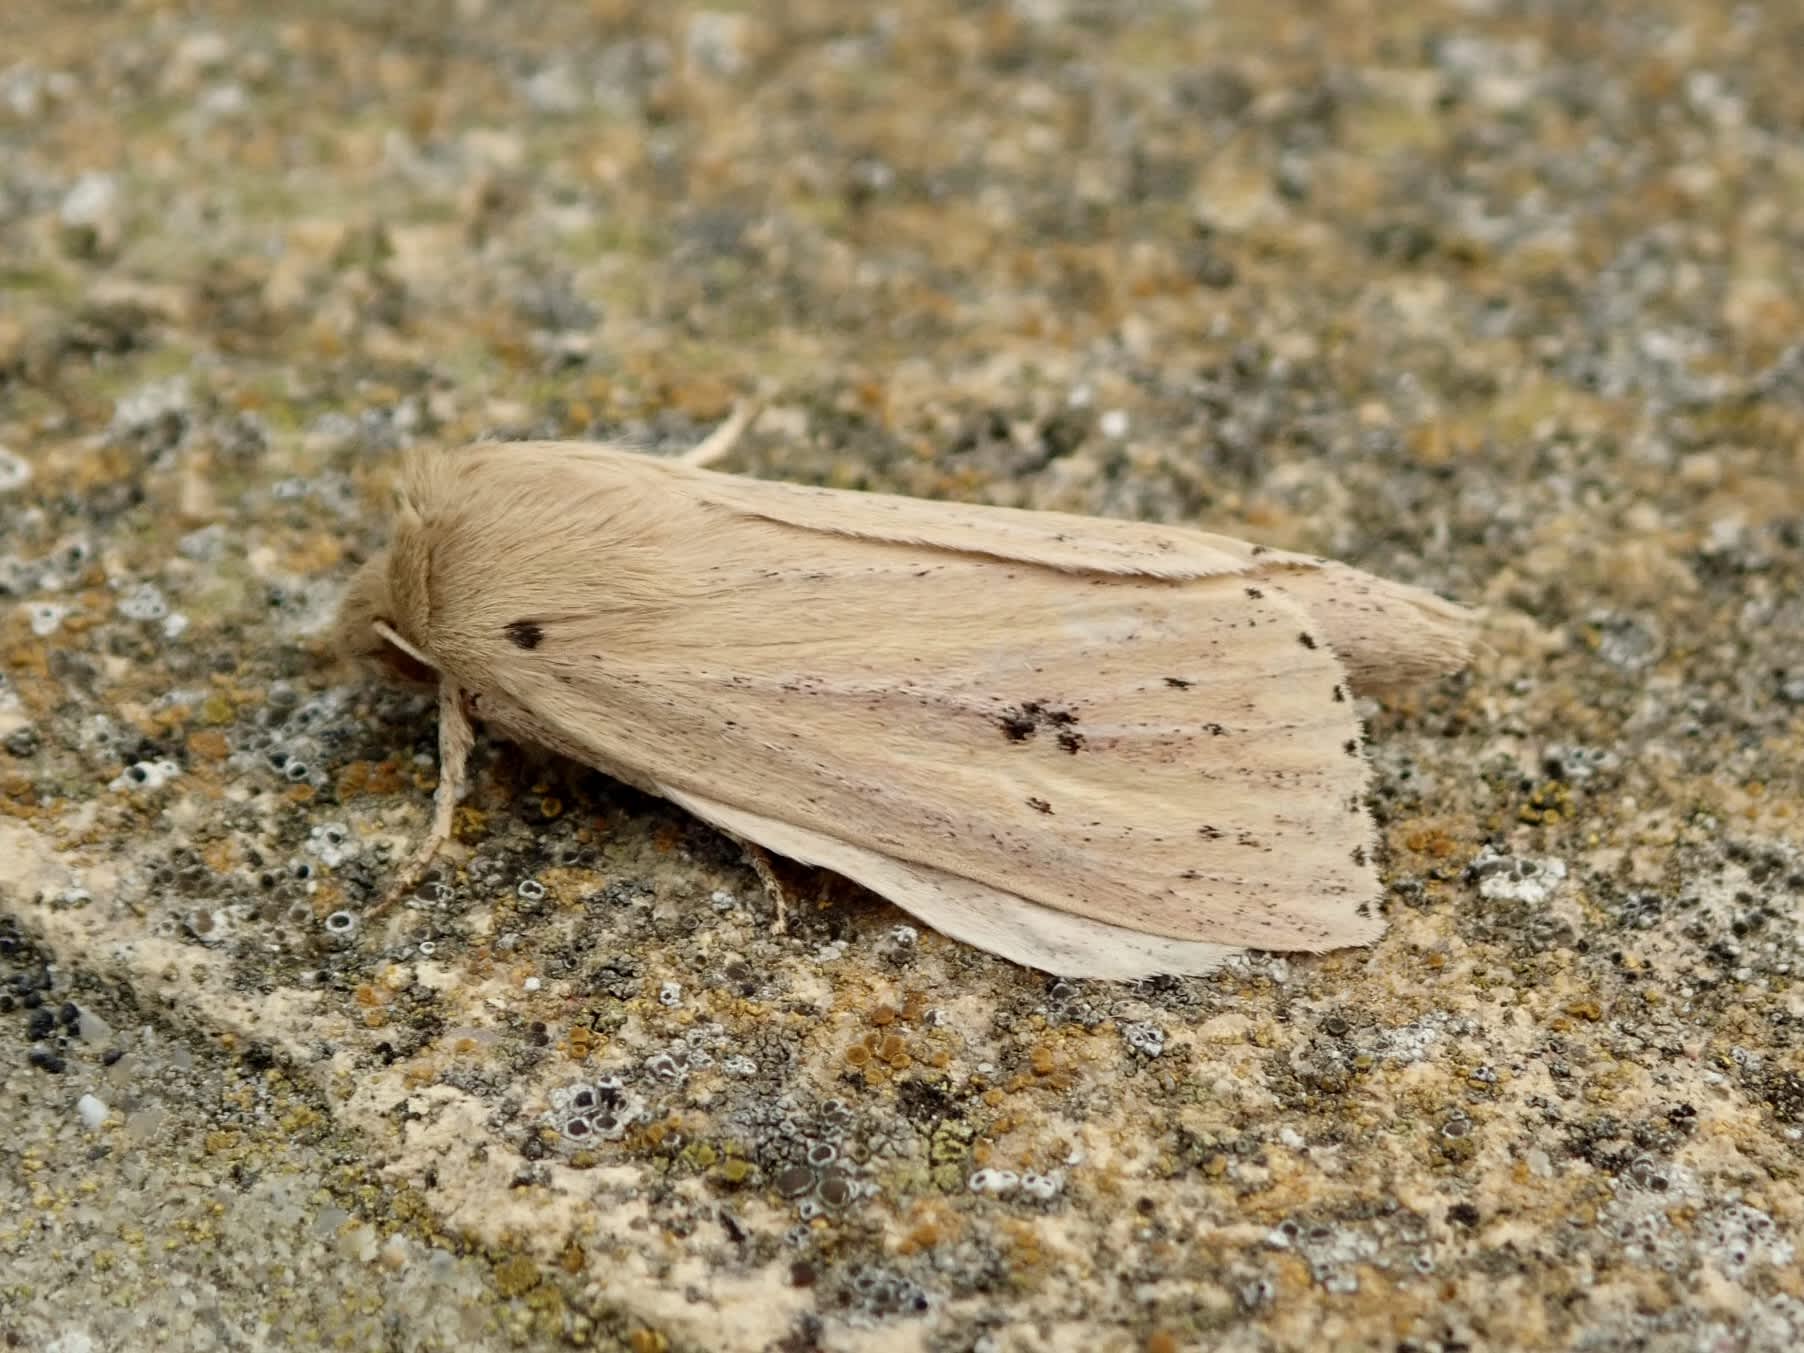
1496 296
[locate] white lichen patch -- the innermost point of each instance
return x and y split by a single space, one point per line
150 404
584 1113
1146 1039
143 777
144 602
15 470
46 617
1516 878
12 709
1728 1234
332 843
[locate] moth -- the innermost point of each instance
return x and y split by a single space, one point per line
1095 747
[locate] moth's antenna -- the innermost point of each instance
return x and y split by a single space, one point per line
381 627
723 439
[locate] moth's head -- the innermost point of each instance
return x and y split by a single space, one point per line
369 604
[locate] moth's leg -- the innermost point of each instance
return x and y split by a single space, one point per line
759 859
725 437
456 737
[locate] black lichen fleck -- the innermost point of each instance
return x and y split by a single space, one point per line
45 1060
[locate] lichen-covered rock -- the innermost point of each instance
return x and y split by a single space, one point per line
1497 298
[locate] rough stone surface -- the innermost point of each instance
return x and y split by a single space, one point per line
1497 296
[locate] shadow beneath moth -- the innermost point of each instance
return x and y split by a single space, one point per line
1096 747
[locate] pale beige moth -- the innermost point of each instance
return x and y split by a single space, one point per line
1095 747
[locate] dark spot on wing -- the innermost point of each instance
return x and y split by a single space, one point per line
1178 683
1350 746
525 633
1261 549
1340 696
1214 730
1359 856
1209 833
1017 725
1254 593
1040 806
1306 639
1021 722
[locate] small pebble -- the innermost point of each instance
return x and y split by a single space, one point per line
92 1111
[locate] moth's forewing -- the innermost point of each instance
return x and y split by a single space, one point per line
1163 742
